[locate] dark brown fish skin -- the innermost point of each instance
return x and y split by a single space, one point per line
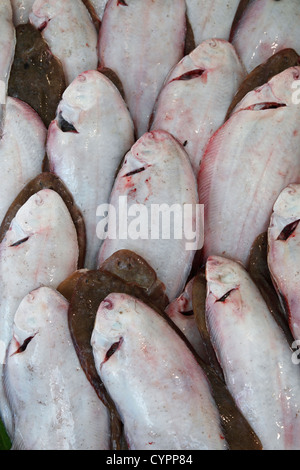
49 181
189 38
199 292
260 274
276 64
36 76
93 14
113 77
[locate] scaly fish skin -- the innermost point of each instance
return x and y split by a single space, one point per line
75 47
246 165
153 378
141 42
254 354
267 27
86 156
54 405
284 252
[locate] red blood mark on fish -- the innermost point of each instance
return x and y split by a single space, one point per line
122 3
288 231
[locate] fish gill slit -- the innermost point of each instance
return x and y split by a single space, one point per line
191 75
66 126
189 313
19 242
265 106
225 296
23 346
288 231
114 348
134 172
122 3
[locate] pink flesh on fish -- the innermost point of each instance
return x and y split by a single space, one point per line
54 405
141 42
76 47
246 165
22 150
284 253
194 101
153 378
21 10
7 47
211 19
156 177
267 27
87 153
254 354
39 248
180 311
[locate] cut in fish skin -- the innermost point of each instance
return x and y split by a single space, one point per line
246 165
211 19
284 253
157 175
165 387
92 132
75 47
54 405
141 42
21 10
254 354
39 248
194 100
22 150
266 27
7 47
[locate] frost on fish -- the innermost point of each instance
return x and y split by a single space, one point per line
142 52
156 178
266 27
76 47
195 98
21 10
284 253
153 378
211 19
7 47
22 150
39 248
247 163
86 143
254 354
54 406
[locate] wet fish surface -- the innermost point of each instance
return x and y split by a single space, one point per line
54 405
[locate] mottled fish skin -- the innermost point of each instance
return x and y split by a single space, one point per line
284 252
87 155
75 47
211 19
21 10
142 52
54 405
180 311
246 165
194 101
7 47
40 248
22 150
154 379
254 354
156 171
267 27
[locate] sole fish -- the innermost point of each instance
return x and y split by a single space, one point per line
53 404
142 53
153 378
254 354
39 248
86 142
22 150
75 47
266 27
156 178
21 10
246 165
195 98
284 253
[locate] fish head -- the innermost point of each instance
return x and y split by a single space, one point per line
223 279
286 214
